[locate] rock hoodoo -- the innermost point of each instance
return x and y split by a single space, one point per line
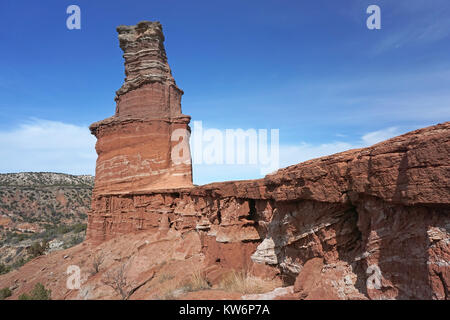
135 145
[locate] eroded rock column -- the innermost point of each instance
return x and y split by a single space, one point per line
135 146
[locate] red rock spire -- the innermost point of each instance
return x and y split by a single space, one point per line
134 146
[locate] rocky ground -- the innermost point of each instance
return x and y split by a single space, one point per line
155 266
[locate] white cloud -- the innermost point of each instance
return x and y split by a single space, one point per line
42 145
380 135
293 154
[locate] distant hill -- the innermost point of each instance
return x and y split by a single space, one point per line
44 197
47 179
37 206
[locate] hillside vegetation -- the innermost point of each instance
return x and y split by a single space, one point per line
49 209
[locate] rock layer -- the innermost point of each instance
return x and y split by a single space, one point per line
135 145
367 223
381 212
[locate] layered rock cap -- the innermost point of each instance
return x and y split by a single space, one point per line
145 56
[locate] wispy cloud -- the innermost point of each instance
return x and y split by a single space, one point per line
403 97
293 154
42 145
380 135
413 23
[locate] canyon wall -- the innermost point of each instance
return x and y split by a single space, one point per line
368 223
333 223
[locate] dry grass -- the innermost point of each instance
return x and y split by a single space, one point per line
172 291
242 282
165 277
196 282
168 295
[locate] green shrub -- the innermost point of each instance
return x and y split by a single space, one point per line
22 236
38 293
20 262
73 241
79 227
38 248
5 293
4 269
63 229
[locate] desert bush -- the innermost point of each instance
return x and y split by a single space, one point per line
4 268
97 261
20 262
22 236
118 281
79 227
5 293
63 229
74 241
38 248
38 293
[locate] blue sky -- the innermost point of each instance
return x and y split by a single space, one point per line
311 69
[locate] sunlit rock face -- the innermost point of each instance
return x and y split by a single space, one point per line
135 145
368 223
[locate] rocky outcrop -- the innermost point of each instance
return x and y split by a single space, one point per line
377 218
135 145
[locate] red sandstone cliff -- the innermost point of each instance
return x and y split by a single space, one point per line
387 205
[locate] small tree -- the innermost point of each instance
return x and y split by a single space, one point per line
38 293
97 262
118 281
5 293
